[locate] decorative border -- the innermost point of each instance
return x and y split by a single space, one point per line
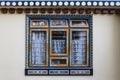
61 3
64 11
59 72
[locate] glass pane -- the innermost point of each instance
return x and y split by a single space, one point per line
58 23
79 23
59 61
38 47
39 23
59 42
79 42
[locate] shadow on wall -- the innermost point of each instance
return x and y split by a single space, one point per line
116 54
106 47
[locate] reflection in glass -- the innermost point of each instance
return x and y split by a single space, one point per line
58 22
58 42
39 23
38 47
79 41
79 23
59 61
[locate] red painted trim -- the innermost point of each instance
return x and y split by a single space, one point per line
12 10
81 11
50 10
27 10
112 11
58 10
65 10
35 10
88 11
43 10
19 10
105 11
73 11
4 10
97 11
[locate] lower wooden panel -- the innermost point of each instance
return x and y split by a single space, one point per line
58 72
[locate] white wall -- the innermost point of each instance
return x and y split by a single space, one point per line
106 49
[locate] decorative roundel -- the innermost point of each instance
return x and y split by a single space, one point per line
106 3
117 3
72 3
13 3
2 3
94 3
31 3
83 3
100 3
25 3
77 3
112 3
89 3
48 3
43 3
37 3
8 3
54 3
60 3
19 3
66 3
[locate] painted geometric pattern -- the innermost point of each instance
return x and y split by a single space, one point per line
58 72
100 3
58 45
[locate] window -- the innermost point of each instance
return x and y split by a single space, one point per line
59 45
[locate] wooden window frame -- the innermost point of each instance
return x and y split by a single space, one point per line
31 47
58 67
87 46
51 54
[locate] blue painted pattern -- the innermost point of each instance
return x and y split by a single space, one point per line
105 3
60 0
